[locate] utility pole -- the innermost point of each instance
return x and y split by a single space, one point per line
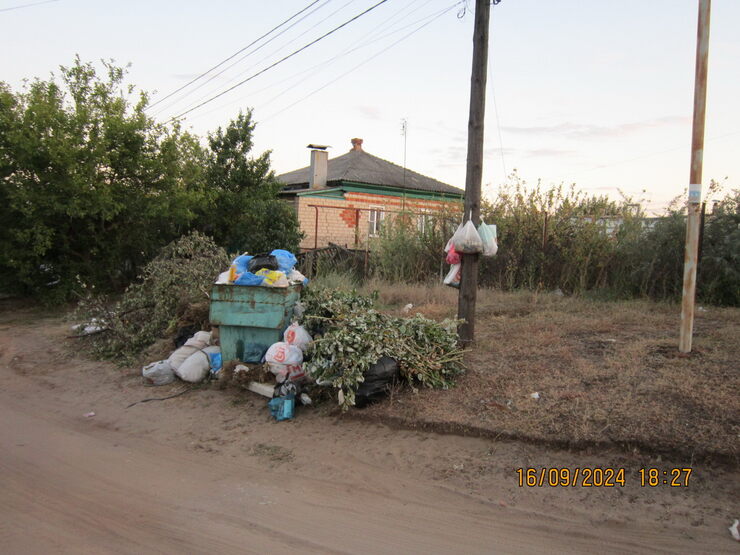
694 202
404 132
474 174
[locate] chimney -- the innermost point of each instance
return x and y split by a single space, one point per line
318 169
357 144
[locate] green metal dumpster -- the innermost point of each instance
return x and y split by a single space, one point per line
251 318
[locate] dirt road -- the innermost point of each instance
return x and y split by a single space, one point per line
210 472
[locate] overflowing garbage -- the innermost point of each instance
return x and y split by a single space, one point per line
468 240
274 269
308 342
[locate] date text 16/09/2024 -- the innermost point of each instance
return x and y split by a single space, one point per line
601 477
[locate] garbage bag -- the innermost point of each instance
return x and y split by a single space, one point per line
467 240
286 260
196 366
260 261
273 278
282 408
200 339
298 336
453 276
248 278
285 361
242 263
158 373
378 378
453 257
488 236
296 277
216 362
450 244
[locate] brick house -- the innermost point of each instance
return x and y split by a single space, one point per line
345 200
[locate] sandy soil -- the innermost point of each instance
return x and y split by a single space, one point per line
209 471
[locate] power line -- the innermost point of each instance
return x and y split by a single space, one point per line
362 63
27 5
281 60
233 55
265 58
329 61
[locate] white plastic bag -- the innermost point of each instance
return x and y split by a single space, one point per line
285 361
158 373
467 240
453 276
488 236
197 365
450 243
298 336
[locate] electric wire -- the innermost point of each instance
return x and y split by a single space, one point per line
281 60
233 55
362 63
27 5
326 63
263 59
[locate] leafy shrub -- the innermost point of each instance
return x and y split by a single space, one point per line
179 277
353 336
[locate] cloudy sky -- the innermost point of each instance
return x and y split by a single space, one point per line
594 92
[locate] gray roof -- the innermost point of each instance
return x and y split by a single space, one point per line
361 167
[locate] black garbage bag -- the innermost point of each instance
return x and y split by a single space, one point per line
378 379
261 261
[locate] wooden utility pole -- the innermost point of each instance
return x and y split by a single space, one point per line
697 156
474 175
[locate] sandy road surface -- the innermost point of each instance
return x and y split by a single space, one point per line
209 472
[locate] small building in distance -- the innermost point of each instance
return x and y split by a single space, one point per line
346 199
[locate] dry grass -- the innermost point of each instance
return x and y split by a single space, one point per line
607 373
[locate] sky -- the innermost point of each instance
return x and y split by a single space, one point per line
596 93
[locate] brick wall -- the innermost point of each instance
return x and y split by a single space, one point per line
337 217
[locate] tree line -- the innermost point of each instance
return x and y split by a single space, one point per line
93 187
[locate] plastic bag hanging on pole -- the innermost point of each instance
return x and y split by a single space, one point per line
488 236
467 240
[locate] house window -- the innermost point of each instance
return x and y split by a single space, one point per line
424 222
375 218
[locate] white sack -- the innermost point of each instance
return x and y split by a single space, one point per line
158 373
196 367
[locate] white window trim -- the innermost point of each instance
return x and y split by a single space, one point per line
374 223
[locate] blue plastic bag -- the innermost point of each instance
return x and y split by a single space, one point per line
285 259
282 408
241 263
248 278
215 361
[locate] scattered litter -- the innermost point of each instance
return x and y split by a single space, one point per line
91 414
158 373
285 361
196 366
378 379
93 326
181 392
701 309
282 408
298 336
734 531
406 309
558 292
305 399
240 368
535 395
264 389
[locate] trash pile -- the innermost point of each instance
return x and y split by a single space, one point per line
468 240
274 269
327 340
